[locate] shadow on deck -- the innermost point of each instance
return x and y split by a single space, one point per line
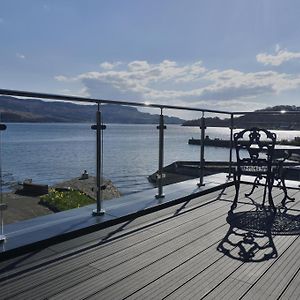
195 249
40 232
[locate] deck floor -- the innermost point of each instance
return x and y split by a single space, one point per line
194 250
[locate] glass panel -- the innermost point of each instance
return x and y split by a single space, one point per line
46 156
183 144
130 155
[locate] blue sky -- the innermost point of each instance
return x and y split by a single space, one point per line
228 55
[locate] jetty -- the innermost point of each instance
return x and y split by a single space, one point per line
217 142
184 170
210 142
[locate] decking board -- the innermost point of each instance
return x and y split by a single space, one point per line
55 285
249 273
217 278
244 275
277 276
173 255
48 273
171 277
160 255
292 291
133 264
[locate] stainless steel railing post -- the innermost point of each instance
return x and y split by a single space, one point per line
160 174
3 206
202 160
99 127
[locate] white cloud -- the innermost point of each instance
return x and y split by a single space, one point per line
20 55
80 93
233 84
173 83
61 78
138 65
109 66
280 56
138 79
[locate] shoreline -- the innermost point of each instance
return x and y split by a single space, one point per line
23 207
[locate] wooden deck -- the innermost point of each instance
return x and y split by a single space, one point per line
193 250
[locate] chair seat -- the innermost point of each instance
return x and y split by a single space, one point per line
254 169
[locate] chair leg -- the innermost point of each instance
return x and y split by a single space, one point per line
265 192
255 185
286 196
237 179
270 182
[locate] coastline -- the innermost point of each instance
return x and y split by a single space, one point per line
23 207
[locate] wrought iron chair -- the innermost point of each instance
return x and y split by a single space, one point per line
254 155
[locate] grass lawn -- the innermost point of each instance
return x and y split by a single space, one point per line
64 200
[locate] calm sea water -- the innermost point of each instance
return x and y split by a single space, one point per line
50 153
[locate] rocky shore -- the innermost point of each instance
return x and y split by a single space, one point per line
23 207
88 186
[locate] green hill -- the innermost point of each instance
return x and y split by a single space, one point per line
14 109
277 120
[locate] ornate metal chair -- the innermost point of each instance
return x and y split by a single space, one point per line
254 155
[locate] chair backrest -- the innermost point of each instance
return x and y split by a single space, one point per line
254 150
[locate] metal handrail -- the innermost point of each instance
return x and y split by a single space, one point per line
131 103
267 112
94 100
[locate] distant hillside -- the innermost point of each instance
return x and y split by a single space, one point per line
13 109
278 121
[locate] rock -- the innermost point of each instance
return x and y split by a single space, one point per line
88 186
